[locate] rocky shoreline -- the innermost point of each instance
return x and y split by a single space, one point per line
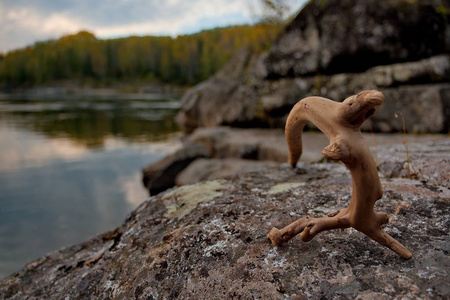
211 153
336 49
209 238
203 232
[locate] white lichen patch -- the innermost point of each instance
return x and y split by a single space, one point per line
183 200
217 248
113 286
274 259
282 187
226 239
319 210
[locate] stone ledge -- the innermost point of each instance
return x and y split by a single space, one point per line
219 247
211 153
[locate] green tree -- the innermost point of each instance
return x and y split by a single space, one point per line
185 60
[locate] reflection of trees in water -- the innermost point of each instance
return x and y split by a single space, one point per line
90 126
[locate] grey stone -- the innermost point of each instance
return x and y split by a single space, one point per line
420 90
208 169
161 175
208 240
428 162
336 49
424 101
218 142
422 106
339 36
246 149
225 99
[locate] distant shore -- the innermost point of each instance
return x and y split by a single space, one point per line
94 88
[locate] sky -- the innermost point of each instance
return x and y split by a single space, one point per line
24 22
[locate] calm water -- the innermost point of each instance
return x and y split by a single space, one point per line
70 167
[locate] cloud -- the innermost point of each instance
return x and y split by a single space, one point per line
27 19
134 192
24 22
23 26
166 17
32 151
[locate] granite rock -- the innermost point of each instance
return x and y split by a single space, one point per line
428 162
416 89
208 169
161 175
336 49
212 153
226 98
209 240
341 36
226 150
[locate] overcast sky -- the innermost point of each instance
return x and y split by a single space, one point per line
23 22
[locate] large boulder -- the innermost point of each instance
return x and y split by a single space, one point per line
429 161
210 153
340 36
336 49
204 169
208 240
162 174
227 98
419 90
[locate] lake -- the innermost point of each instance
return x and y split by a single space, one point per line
70 166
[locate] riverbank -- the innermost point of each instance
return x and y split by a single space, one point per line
209 238
98 89
70 166
211 153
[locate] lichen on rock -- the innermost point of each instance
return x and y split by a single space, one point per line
181 201
282 187
219 249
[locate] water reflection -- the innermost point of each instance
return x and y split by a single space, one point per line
24 149
70 169
90 121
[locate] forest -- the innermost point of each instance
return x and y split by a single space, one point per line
183 60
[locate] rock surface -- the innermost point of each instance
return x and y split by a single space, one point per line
213 102
161 175
211 153
256 144
223 151
340 36
428 162
336 49
207 169
209 240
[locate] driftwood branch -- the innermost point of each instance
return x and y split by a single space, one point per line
341 123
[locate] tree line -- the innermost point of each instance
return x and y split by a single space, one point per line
184 60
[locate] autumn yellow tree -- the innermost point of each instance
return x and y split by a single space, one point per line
185 60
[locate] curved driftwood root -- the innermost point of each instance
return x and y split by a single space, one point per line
386 240
341 123
309 227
